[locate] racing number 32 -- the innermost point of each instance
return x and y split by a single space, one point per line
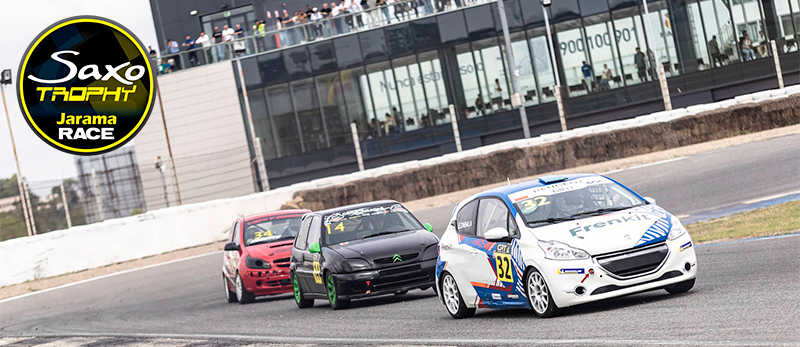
503 261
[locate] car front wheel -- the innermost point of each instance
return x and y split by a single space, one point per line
242 294
231 296
539 296
337 303
453 300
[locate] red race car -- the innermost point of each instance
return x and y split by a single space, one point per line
256 257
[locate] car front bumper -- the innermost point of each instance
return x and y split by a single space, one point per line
387 280
569 286
267 282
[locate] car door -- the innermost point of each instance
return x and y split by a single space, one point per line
300 254
237 239
461 258
228 266
494 213
316 261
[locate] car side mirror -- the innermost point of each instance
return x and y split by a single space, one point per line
428 227
314 248
496 234
650 200
231 246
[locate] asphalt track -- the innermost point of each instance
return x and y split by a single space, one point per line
747 292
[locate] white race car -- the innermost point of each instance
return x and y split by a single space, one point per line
557 242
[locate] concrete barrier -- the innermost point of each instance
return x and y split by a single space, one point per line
89 246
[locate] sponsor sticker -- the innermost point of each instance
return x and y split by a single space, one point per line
571 271
685 246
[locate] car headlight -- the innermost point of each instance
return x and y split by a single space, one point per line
432 252
677 229
255 263
561 251
353 265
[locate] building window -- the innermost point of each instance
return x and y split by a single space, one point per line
574 55
384 97
522 59
491 74
600 41
284 123
409 87
435 92
542 64
334 112
261 123
312 130
629 33
356 95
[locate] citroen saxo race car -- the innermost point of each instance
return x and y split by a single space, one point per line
361 250
558 242
256 257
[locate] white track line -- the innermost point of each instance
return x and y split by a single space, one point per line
769 197
644 165
483 342
107 276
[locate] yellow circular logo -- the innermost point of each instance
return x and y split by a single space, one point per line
86 85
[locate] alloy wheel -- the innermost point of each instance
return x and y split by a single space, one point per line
450 293
331 290
239 287
538 294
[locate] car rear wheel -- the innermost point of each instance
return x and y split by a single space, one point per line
298 294
333 294
681 287
453 300
231 296
242 294
539 295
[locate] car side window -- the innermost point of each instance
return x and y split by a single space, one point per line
316 227
232 232
236 237
512 225
492 213
465 219
302 235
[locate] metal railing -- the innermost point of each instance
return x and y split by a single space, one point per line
309 31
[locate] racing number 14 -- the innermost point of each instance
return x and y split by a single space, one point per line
503 261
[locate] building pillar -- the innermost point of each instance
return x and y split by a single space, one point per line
682 35
772 22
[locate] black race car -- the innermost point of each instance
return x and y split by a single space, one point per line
361 250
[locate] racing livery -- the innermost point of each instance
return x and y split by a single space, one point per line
361 250
557 242
256 258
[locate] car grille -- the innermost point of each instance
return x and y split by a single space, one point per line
634 262
389 260
283 262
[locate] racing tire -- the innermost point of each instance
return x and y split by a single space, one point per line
242 294
230 295
332 290
452 298
298 294
681 287
539 295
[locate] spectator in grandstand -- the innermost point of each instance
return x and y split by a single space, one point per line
220 50
153 52
188 45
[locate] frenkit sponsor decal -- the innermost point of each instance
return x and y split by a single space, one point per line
86 85
619 219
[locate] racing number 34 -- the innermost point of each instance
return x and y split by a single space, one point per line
503 263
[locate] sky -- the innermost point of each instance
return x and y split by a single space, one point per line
20 22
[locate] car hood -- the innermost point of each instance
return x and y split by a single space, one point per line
272 250
635 227
386 246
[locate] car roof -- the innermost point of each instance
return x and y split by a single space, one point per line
355 206
504 191
274 213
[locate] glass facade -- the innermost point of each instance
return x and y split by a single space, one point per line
396 82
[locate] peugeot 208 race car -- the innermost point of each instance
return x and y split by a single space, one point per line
360 250
558 242
256 257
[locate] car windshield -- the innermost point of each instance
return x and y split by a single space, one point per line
572 199
367 222
271 229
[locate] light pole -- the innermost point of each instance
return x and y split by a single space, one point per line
169 146
512 66
5 78
662 78
559 101
262 168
